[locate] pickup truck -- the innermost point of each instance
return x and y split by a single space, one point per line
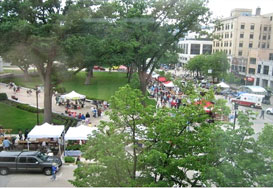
30 161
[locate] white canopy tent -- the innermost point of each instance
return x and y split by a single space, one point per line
223 85
73 96
46 131
155 75
168 84
79 133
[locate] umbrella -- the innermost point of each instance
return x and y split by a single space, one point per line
162 79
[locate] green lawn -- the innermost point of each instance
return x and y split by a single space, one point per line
103 85
15 119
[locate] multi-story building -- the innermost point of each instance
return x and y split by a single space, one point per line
246 39
193 47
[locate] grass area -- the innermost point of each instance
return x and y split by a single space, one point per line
15 119
103 85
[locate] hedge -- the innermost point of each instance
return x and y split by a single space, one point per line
73 147
3 96
68 159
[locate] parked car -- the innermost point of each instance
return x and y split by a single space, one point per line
27 161
225 92
269 111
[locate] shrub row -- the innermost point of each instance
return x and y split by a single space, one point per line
73 147
68 159
3 96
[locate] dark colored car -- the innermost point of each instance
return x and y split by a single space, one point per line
31 161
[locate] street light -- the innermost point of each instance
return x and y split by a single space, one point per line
235 113
37 95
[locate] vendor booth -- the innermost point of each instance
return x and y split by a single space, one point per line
168 84
73 96
75 136
79 133
223 85
50 135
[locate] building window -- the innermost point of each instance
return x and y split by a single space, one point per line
271 18
266 70
257 81
269 28
232 67
264 37
250 45
259 69
251 36
252 27
207 48
264 83
242 35
267 45
232 25
265 28
251 71
271 56
242 26
252 61
229 52
240 53
241 44
230 43
244 69
195 49
263 45
268 37
230 35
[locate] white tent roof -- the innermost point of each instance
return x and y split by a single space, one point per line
46 131
168 84
223 85
73 96
258 89
155 75
79 133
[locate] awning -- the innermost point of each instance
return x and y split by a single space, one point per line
223 85
46 131
80 133
168 84
73 96
162 79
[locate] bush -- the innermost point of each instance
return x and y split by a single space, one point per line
69 159
73 147
28 108
3 96
60 90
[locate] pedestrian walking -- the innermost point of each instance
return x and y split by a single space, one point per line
262 114
53 171
20 134
26 133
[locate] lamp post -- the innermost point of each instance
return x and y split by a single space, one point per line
235 113
37 95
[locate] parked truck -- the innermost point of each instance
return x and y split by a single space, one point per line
249 100
30 161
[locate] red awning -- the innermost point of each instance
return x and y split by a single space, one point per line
162 79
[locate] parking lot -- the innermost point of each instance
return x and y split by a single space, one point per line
38 179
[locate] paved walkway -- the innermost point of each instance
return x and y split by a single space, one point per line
24 98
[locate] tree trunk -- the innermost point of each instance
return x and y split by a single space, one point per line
26 75
130 73
143 81
89 76
48 95
78 70
134 153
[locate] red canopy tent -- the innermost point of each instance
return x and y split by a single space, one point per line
162 79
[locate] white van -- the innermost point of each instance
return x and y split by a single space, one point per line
250 100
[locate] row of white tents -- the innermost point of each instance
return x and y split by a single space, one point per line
57 131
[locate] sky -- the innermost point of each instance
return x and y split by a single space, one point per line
222 8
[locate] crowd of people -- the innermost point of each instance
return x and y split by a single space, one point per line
165 96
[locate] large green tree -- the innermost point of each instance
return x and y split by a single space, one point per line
154 27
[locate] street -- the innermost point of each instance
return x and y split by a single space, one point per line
25 179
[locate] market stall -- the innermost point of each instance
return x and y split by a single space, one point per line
223 85
75 137
50 135
168 84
